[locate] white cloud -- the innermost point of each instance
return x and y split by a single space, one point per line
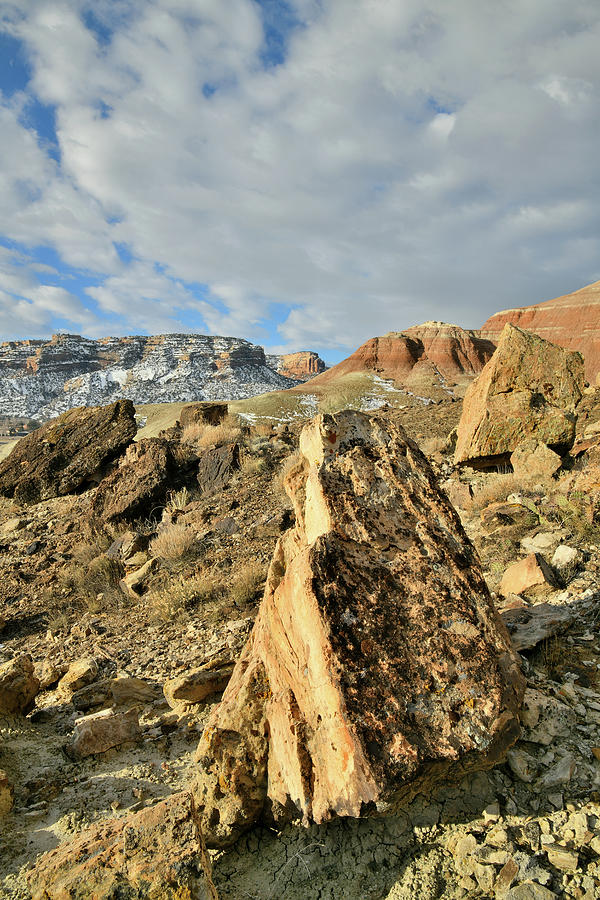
407 161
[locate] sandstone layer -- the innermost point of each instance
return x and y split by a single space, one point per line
571 321
68 453
300 366
377 663
529 389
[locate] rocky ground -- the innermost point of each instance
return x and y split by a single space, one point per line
72 594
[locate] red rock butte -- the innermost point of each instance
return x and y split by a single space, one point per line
435 347
572 321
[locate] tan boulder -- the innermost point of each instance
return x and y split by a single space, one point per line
6 795
532 458
81 672
529 575
157 853
18 686
125 690
196 685
103 730
134 584
528 389
377 663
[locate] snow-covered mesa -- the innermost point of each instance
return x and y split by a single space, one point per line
41 379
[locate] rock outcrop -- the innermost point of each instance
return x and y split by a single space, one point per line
157 853
46 378
377 663
300 366
571 321
67 454
150 469
432 354
529 389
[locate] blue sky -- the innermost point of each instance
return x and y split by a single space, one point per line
305 174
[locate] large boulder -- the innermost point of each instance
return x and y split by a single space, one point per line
150 470
69 453
157 853
529 389
377 663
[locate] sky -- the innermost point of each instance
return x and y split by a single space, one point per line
305 174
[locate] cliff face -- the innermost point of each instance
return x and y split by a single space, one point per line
300 366
434 350
571 321
46 378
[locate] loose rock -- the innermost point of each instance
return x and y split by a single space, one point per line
18 686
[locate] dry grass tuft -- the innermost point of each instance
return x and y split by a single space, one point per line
174 542
247 582
175 600
204 436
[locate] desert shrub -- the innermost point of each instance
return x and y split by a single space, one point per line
175 599
203 436
93 584
246 583
178 499
174 542
254 465
497 488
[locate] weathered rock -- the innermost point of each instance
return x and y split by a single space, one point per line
204 413
18 686
544 718
134 584
151 468
529 389
300 366
6 795
102 730
66 454
500 515
460 494
531 575
528 625
155 854
530 890
81 672
50 673
543 541
124 690
216 466
562 858
196 685
128 545
532 458
377 663
565 562
571 321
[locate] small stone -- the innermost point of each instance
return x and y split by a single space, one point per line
6 795
134 585
565 562
505 878
101 731
530 890
530 575
485 877
491 812
564 859
79 674
521 764
560 773
196 685
18 686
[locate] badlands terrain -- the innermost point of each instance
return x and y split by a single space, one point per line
335 641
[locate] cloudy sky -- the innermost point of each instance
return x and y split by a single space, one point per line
302 173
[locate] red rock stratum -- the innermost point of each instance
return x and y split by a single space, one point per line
377 663
572 321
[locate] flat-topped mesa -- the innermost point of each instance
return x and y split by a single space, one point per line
377 663
571 321
529 389
46 378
